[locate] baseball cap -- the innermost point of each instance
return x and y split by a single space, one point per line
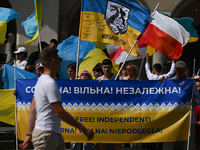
180 64
21 50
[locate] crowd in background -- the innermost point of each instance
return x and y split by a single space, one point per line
103 71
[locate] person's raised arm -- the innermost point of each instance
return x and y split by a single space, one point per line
147 68
171 72
31 124
64 115
147 57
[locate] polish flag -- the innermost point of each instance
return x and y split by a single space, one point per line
166 35
117 54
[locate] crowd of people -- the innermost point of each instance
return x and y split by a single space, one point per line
178 70
46 64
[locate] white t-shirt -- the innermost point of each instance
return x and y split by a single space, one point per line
112 78
21 65
152 76
46 92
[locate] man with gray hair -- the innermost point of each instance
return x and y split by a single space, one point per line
180 69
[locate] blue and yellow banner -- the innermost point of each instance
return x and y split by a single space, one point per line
118 22
7 106
118 111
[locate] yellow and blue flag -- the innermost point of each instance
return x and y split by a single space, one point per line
187 22
30 24
6 14
117 22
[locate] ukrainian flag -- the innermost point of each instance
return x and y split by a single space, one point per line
187 22
6 14
30 24
118 22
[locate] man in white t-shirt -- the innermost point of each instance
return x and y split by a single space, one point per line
46 109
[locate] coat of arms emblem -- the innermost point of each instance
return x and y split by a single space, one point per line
116 17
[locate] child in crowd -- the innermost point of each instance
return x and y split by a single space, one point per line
22 55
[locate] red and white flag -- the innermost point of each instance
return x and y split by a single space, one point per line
166 35
117 54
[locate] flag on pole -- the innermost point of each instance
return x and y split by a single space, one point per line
31 23
117 54
118 22
187 22
166 35
6 14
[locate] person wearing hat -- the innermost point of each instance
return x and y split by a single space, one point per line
180 69
21 54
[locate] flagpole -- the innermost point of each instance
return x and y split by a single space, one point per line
132 48
154 11
149 21
125 60
77 58
39 35
15 106
189 136
141 68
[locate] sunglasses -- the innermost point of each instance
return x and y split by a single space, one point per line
130 69
84 74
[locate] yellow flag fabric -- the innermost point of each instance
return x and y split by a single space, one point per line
32 40
7 106
100 45
151 50
93 57
3 29
38 11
